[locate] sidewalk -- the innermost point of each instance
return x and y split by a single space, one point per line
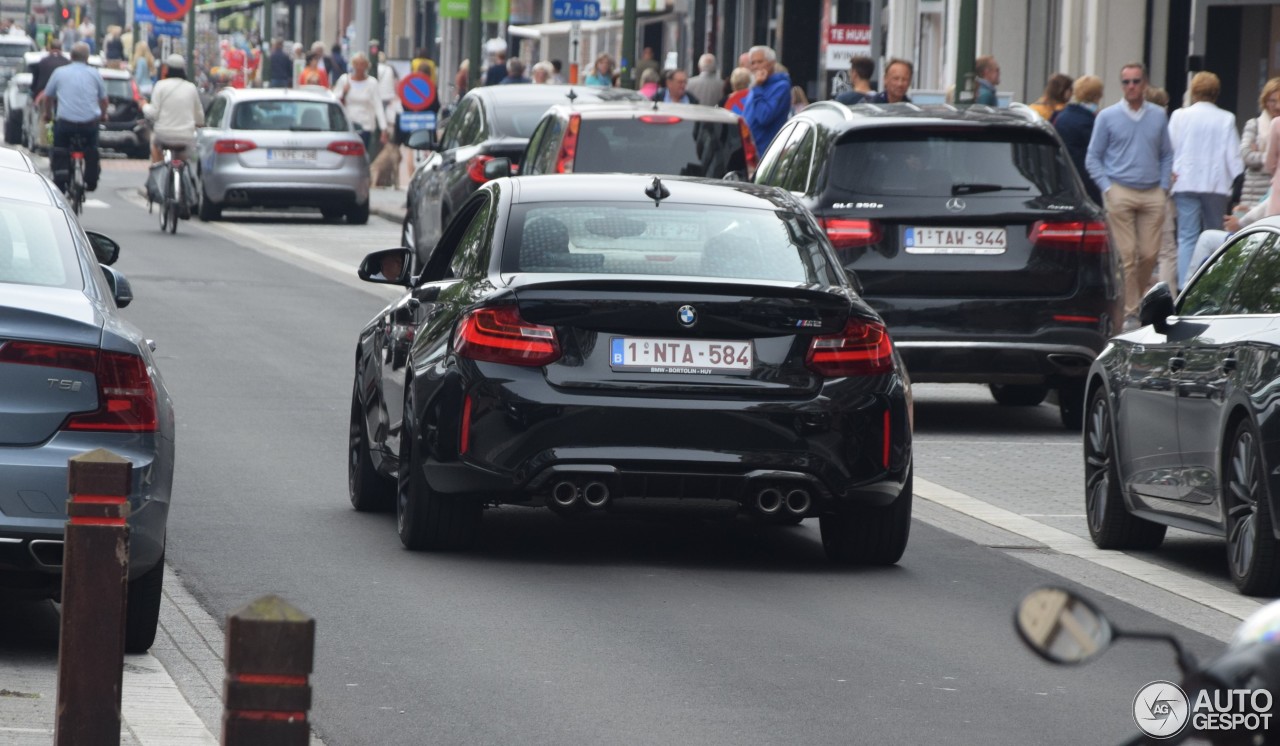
388 203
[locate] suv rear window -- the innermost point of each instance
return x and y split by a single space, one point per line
118 88
671 240
296 116
949 162
15 50
659 144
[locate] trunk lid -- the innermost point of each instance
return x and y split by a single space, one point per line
634 336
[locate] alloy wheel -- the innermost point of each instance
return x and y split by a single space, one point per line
1242 514
1097 464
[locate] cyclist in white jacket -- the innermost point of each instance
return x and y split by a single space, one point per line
175 111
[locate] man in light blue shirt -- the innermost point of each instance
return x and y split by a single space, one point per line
1130 158
80 96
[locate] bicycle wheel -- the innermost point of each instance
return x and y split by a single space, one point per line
77 183
175 186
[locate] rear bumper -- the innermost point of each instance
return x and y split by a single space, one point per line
850 445
33 496
233 185
985 361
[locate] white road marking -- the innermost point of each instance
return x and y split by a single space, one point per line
1227 602
95 203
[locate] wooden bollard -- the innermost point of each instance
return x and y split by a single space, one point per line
95 583
270 652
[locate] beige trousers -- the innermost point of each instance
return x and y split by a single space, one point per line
1136 218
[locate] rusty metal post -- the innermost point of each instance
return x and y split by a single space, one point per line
95 577
270 651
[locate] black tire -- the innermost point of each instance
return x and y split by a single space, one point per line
209 210
358 215
142 613
1071 404
1111 525
369 490
1018 395
424 519
173 216
1253 554
870 535
12 130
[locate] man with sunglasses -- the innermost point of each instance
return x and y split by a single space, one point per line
1130 158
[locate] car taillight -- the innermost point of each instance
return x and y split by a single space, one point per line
347 147
748 147
475 168
659 119
851 233
1088 237
499 335
49 356
233 146
861 349
126 398
569 145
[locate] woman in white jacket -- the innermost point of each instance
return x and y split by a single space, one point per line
358 92
175 110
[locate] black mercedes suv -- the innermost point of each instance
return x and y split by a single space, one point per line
971 234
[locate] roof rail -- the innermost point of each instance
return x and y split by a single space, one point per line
835 106
1025 111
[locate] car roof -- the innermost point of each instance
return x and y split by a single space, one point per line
569 188
837 116
14 159
27 187
633 109
305 93
523 93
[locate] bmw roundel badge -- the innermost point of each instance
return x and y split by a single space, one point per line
687 316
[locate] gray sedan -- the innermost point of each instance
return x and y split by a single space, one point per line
74 377
281 147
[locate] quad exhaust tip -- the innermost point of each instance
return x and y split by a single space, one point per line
595 494
564 494
798 501
46 552
769 501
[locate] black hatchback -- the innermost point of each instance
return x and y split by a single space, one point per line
972 236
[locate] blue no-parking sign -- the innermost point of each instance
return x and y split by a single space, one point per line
416 92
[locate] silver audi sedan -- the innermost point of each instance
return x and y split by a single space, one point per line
281 147
74 376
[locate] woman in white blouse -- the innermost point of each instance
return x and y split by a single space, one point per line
358 92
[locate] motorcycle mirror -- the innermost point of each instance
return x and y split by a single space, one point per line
1062 627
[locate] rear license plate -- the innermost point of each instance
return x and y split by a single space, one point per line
981 241
696 356
291 155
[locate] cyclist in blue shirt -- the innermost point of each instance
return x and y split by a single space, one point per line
81 101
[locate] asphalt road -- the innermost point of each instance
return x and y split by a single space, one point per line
631 631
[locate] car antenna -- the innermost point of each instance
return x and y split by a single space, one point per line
655 104
656 191
571 96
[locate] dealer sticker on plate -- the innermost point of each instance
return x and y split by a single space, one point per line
930 240
696 356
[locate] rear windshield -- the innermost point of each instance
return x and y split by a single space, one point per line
36 247
296 116
11 49
119 88
655 144
670 241
518 120
945 163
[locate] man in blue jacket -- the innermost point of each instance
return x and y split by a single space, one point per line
769 103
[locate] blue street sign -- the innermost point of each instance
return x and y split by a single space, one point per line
142 14
411 122
575 10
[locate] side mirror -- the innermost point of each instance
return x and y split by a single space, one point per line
119 285
853 280
497 168
387 267
423 140
1157 307
105 249
1062 627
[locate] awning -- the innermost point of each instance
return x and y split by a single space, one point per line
539 30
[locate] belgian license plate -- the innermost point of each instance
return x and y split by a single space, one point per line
930 240
291 155
695 356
